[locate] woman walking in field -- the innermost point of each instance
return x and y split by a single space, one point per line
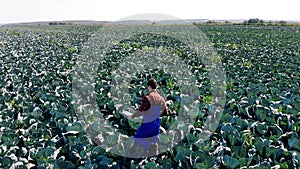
152 107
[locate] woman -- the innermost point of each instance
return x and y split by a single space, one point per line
152 107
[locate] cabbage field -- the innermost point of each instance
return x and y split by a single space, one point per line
260 126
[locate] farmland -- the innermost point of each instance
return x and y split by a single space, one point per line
40 126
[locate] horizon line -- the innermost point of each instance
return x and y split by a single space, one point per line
88 20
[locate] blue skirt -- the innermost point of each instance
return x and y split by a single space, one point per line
147 133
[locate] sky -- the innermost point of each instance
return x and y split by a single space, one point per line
15 11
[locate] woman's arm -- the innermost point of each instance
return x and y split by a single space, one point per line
165 109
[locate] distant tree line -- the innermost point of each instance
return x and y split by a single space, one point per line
262 22
252 21
60 23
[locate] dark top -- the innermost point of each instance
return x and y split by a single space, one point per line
146 105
